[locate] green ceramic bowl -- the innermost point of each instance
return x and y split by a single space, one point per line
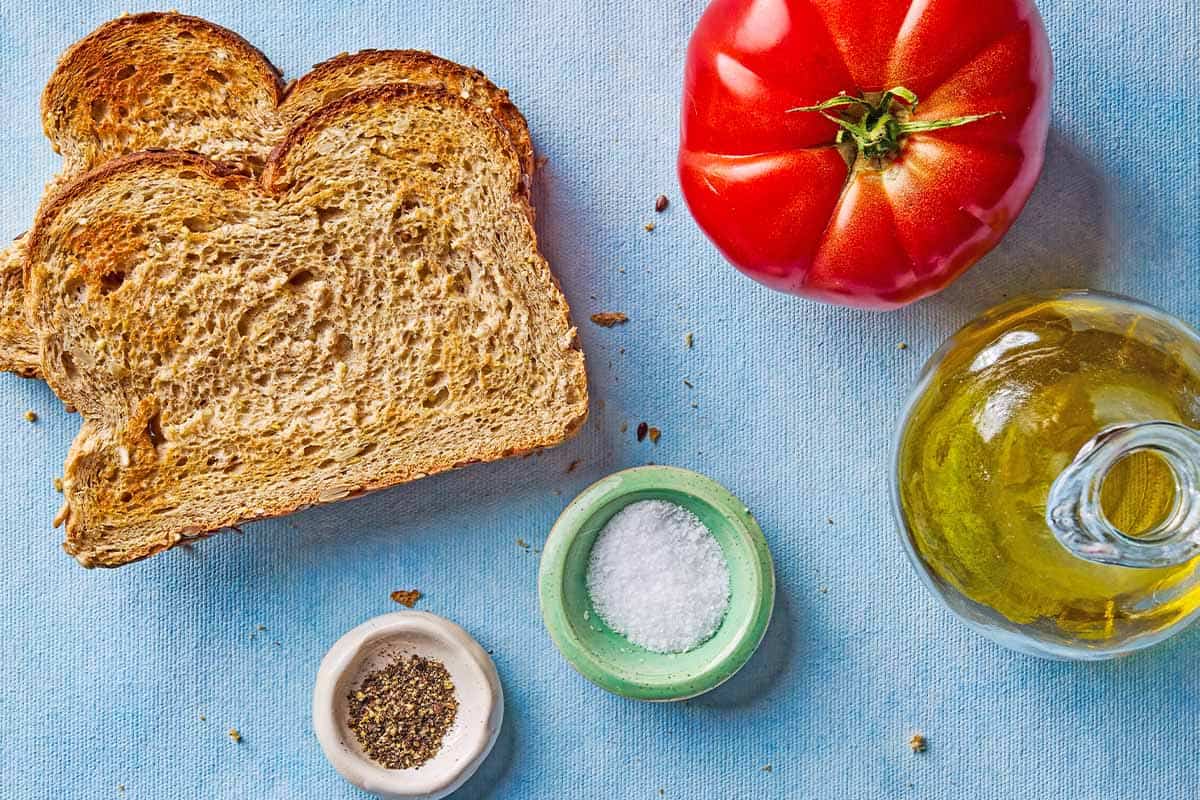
608 659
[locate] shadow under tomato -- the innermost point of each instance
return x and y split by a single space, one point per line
1062 239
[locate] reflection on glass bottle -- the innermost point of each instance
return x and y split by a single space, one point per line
1051 394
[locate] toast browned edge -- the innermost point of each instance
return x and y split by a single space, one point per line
504 109
229 173
90 47
79 53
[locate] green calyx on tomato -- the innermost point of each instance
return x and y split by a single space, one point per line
877 126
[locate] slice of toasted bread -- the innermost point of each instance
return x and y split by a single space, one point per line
170 81
18 347
372 310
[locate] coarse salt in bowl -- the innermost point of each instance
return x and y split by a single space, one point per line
615 662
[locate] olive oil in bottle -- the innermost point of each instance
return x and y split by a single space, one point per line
1005 408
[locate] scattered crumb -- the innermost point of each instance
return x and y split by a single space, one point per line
406 597
660 203
571 467
649 226
202 717
260 627
31 416
607 319
688 383
829 520
902 346
58 486
654 434
823 589
766 768
624 427
918 743
523 544
120 787
688 339
642 430
235 735
695 405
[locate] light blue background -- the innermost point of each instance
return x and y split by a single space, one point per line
105 673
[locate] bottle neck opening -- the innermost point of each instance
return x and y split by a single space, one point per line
1131 497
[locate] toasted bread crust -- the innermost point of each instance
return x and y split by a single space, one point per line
407 66
94 533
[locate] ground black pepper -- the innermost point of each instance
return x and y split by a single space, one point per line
400 713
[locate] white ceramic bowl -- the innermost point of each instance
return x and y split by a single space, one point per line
372 646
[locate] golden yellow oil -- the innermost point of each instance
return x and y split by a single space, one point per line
1006 409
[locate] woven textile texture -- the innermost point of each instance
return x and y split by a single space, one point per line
133 677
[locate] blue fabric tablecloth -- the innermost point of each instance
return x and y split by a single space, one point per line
134 676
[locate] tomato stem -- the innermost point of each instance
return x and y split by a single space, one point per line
878 128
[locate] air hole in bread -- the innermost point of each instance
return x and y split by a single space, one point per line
299 278
329 248
166 79
188 175
125 72
154 431
434 379
111 281
327 463
126 497
325 215
199 224
437 399
181 461
343 347
218 76
68 365
185 35
310 450
246 320
99 109
367 449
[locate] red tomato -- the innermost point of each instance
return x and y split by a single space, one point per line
899 207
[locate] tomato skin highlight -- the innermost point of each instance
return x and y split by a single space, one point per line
801 214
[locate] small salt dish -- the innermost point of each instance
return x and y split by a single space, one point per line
371 646
607 658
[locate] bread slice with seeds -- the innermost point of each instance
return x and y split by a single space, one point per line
171 81
371 310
